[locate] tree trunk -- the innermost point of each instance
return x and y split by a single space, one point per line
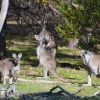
3 53
3 14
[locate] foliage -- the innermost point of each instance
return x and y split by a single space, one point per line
43 1
76 18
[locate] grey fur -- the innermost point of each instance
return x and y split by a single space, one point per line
46 59
10 66
92 61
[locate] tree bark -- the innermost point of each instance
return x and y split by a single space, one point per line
3 14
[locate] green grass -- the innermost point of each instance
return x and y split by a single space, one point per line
30 69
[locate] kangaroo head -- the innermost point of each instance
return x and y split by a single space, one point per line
85 52
17 58
86 56
39 38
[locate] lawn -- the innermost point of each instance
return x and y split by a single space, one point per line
70 67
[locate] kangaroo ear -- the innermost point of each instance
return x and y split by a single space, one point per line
20 55
14 55
36 37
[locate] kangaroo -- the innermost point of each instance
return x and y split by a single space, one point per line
49 41
92 61
51 46
46 59
9 67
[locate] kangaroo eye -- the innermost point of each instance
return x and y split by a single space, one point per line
85 52
88 53
41 36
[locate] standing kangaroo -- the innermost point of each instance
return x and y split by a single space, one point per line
92 61
8 67
46 59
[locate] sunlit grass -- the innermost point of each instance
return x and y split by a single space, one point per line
65 50
30 69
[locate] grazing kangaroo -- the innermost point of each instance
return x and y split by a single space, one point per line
46 59
92 61
49 41
9 67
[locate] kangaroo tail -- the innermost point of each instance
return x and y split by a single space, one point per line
57 75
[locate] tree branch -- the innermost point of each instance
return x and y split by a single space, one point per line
53 9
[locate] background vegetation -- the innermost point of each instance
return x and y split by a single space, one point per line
72 20
80 20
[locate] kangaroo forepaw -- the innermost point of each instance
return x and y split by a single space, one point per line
14 80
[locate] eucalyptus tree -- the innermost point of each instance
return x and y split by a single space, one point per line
80 19
3 14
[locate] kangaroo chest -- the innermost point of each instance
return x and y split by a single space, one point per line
16 68
38 52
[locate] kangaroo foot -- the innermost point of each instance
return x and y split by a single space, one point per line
87 85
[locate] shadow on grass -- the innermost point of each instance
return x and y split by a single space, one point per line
29 56
60 55
93 85
71 66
